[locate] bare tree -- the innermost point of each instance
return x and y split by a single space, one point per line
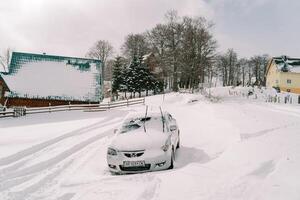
228 65
243 63
185 49
173 39
259 63
135 45
5 60
101 50
198 52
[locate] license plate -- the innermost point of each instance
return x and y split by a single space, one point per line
134 163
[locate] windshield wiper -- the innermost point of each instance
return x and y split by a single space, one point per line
162 118
145 119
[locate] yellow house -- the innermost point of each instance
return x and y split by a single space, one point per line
284 73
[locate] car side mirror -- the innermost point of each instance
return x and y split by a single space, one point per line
173 128
115 131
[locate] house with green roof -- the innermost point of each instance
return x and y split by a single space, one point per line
43 80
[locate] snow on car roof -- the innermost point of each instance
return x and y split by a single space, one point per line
142 114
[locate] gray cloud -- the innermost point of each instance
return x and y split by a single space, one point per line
70 27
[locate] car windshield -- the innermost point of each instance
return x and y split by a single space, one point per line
138 122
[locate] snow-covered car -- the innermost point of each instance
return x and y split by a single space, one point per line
144 142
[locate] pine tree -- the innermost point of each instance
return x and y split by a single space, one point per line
147 80
138 78
132 78
118 76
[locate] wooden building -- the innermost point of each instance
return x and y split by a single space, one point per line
42 80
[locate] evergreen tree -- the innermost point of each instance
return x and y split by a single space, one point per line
138 78
118 76
132 78
147 80
124 76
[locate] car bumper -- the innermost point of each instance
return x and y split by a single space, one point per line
154 160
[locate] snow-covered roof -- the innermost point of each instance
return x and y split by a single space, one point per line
287 64
54 77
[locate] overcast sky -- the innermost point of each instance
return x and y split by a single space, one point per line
70 27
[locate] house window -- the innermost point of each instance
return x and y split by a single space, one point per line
289 81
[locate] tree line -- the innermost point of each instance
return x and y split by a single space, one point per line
185 50
234 71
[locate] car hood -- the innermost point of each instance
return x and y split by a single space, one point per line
139 140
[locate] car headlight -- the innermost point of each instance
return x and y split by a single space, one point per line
111 151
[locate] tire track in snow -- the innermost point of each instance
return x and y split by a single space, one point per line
144 186
52 188
29 191
247 136
273 108
39 147
13 169
12 179
151 191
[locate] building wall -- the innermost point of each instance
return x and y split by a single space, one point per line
273 76
40 102
294 86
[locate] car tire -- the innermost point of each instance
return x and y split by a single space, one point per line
172 160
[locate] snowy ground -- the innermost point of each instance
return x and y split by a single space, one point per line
233 149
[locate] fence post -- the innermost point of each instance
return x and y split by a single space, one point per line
15 112
49 107
127 103
24 111
19 111
108 106
144 101
69 105
285 100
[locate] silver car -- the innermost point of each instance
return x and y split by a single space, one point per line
144 143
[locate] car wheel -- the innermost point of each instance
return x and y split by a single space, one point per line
172 160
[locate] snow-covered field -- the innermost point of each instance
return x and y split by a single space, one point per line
236 148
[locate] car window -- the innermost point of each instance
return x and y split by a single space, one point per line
138 123
133 124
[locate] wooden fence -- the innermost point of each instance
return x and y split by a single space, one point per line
21 111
